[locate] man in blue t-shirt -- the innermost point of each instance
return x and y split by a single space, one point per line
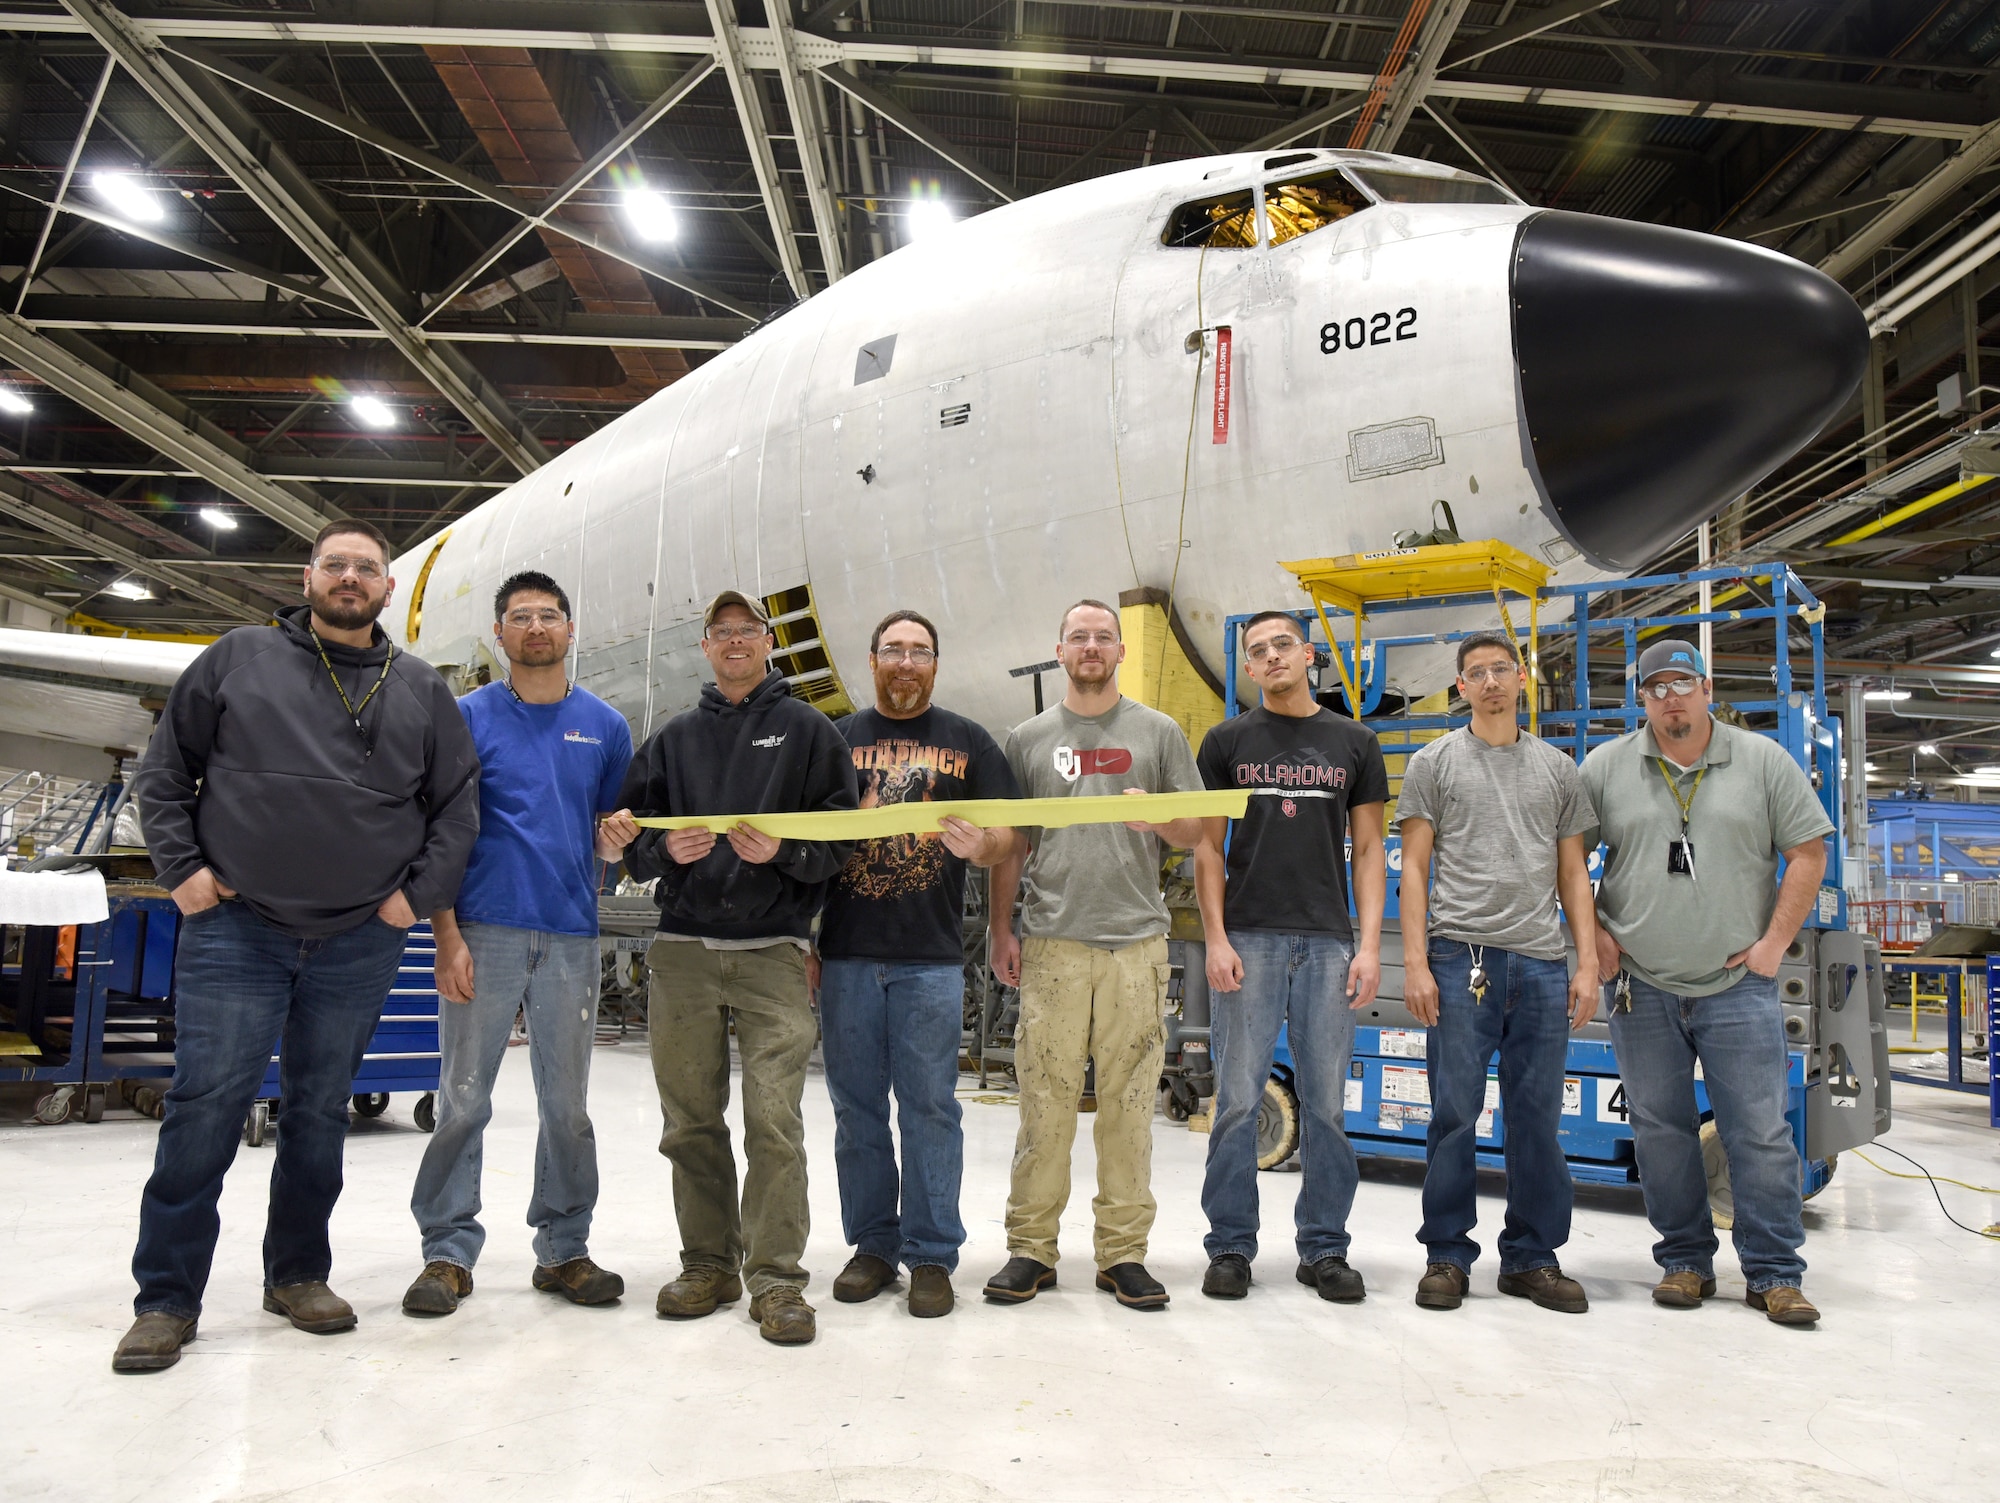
523 938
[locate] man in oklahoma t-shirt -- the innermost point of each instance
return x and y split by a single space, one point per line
892 975
1282 952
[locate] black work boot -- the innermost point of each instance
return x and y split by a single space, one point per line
1132 1286
1020 1281
1334 1280
1228 1276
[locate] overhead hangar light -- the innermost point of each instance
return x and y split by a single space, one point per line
128 196
1891 696
219 519
652 217
129 589
1928 749
373 411
13 403
926 216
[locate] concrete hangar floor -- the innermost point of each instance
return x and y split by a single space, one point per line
1069 1399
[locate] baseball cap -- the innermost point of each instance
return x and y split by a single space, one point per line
734 597
1669 656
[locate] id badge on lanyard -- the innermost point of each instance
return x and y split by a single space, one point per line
1680 851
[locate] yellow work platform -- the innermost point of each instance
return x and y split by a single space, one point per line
1352 582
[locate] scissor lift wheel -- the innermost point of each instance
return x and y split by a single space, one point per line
1277 1125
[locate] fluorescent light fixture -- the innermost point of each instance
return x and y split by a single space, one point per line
651 216
1951 876
1869 767
62 594
219 519
13 403
926 217
373 411
128 196
129 589
1988 771
1928 749
1891 696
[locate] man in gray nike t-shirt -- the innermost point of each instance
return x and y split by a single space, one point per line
1504 815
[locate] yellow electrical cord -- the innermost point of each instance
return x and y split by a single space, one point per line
1939 1178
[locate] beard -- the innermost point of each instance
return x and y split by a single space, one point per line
1090 675
344 615
904 696
1679 732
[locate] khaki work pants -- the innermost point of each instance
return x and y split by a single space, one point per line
1081 1004
695 991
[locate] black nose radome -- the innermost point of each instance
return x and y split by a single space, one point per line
1663 373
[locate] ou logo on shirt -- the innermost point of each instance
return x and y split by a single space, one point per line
1072 764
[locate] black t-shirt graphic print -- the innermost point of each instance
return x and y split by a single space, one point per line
902 898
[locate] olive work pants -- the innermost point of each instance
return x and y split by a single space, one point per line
695 993
1082 1004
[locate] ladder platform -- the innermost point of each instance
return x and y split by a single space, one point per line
1353 581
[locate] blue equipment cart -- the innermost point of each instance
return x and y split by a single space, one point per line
104 1017
402 1055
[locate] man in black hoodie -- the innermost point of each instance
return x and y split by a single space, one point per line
736 918
308 793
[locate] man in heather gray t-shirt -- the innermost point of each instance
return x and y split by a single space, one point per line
1503 815
1496 813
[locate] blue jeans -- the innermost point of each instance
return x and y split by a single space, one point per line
554 977
1297 982
239 986
1739 1037
896 1027
1525 1018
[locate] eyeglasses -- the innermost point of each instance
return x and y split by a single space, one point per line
333 566
1499 673
742 633
522 620
1680 688
1091 639
1258 651
917 657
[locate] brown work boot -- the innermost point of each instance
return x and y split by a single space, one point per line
1442 1287
698 1290
864 1277
930 1291
311 1306
1548 1287
782 1315
1683 1289
438 1289
1784 1304
153 1343
579 1281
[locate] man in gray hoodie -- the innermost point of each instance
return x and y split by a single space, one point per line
309 793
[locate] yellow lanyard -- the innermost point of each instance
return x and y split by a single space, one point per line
1674 788
354 710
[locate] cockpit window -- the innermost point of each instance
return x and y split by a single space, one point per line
1412 188
1306 204
1225 223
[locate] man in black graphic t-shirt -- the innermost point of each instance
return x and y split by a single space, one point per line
892 975
1282 952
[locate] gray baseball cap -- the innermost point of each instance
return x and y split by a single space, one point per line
1669 656
734 597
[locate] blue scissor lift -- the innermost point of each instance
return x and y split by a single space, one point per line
1839 1079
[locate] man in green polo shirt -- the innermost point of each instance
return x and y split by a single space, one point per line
1692 921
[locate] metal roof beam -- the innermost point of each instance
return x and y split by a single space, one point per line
727 45
905 121
1502 37
232 139
73 525
88 377
806 106
218 317
1947 178
1761 99
1415 81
